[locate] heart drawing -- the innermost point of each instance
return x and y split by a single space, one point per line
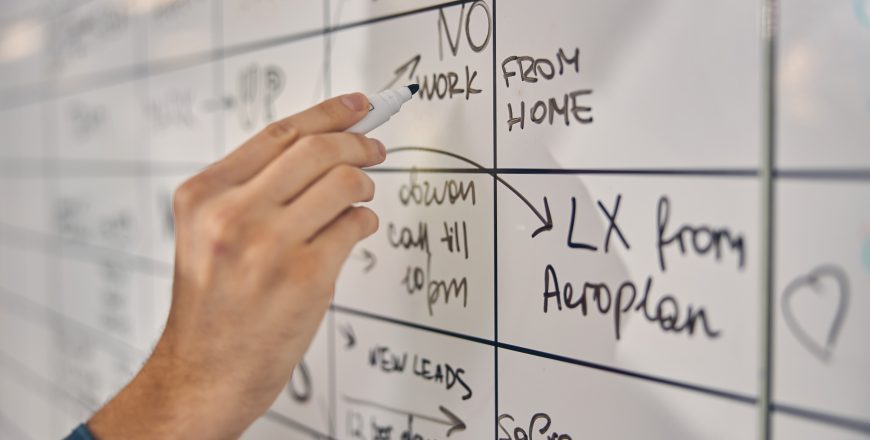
812 283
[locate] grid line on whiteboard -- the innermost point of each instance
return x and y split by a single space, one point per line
494 173
11 168
767 218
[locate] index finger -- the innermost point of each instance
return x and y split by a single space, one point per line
335 114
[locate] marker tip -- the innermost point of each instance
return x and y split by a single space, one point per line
413 88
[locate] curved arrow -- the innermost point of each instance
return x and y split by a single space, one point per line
453 422
546 218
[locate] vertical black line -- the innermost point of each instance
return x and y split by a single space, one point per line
495 220
327 91
769 31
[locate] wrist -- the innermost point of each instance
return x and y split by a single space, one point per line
170 398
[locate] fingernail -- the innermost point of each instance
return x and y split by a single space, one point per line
356 102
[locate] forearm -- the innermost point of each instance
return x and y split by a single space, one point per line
169 399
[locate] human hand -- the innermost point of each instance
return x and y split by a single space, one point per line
260 238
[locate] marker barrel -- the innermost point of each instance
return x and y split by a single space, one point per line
381 108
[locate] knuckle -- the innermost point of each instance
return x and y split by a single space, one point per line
334 110
322 148
223 222
349 178
186 196
280 129
312 142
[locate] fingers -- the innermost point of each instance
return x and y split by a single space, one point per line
335 242
335 114
328 197
312 156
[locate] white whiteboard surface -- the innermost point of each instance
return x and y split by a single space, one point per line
574 214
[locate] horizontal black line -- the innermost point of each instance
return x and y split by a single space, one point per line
688 172
293 424
650 378
822 174
809 174
736 172
356 312
76 168
429 170
862 426
707 390
63 167
109 77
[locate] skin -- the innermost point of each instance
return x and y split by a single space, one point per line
260 238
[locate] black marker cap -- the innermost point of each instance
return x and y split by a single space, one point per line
413 88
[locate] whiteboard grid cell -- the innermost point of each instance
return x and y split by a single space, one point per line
51 168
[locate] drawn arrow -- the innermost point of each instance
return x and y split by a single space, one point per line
546 218
410 67
348 333
453 422
367 256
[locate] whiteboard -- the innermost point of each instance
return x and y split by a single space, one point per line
598 219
